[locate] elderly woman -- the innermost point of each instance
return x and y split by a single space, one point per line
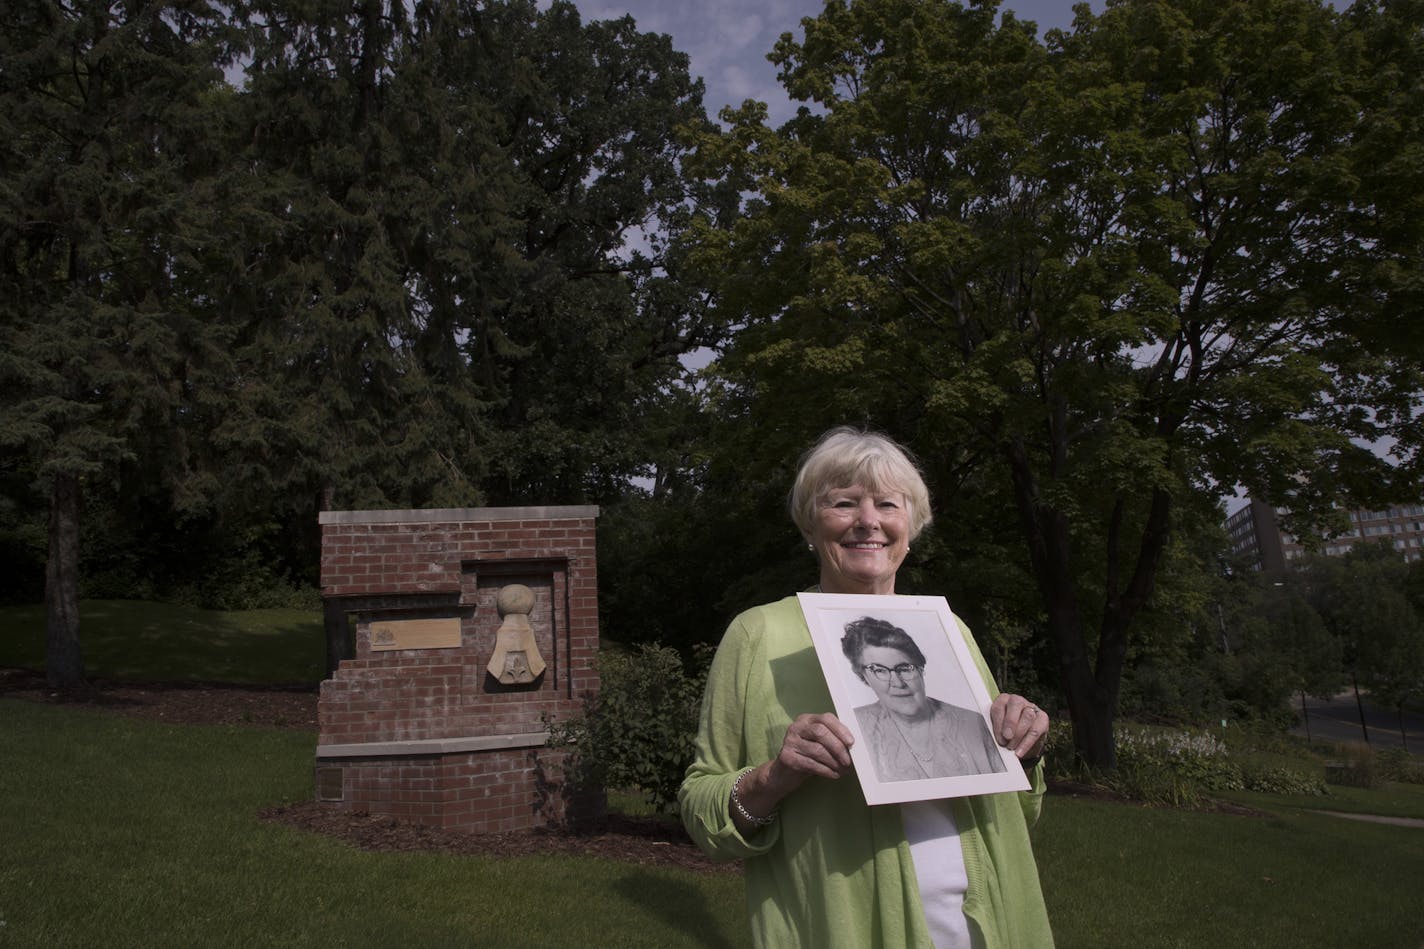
771 781
911 735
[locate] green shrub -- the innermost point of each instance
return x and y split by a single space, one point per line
1355 766
1273 780
1399 765
1155 782
639 731
242 580
1169 768
1058 756
1259 735
1176 768
1181 767
1170 692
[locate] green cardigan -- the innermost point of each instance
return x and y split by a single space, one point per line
833 871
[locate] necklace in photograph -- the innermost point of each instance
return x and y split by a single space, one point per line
929 756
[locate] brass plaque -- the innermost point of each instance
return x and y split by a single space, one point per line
416 634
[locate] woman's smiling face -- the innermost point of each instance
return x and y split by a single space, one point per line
861 537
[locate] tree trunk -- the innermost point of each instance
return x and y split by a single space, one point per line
1360 704
1090 686
1091 706
1091 692
64 663
1124 602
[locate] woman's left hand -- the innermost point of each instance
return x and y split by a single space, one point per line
1019 725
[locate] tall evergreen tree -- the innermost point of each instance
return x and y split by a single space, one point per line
414 257
104 330
454 299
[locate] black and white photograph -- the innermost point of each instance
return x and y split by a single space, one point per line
903 680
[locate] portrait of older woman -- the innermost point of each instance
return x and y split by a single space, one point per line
772 781
911 735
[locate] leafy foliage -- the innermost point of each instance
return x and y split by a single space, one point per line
416 258
1086 280
639 731
1175 768
451 284
1399 765
1357 767
1363 599
1262 640
1183 768
1277 780
110 342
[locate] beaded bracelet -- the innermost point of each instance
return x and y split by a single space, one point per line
746 814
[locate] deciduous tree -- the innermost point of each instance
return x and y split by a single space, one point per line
1364 600
1100 275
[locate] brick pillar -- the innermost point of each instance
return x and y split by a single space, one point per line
414 725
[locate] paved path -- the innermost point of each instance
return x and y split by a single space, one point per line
1377 819
1338 719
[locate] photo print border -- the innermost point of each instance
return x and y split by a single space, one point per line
950 675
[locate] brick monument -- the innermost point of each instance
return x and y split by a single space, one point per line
462 630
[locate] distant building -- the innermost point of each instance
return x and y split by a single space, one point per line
1257 539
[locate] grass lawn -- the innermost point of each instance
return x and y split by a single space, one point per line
121 832
1393 800
1122 875
164 642
124 832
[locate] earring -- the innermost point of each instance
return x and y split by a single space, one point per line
811 547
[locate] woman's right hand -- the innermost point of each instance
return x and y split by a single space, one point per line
814 746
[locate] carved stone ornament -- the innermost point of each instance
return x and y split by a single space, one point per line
516 659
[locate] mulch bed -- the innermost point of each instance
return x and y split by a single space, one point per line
646 841
182 703
649 841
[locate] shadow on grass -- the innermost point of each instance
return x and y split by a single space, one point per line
132 640
678 903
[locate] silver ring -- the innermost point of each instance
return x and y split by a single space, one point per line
1034 709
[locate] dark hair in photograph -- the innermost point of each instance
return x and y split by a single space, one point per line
869 631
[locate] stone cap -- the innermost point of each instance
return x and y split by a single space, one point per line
432 746
445 515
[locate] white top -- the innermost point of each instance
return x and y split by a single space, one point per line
939 870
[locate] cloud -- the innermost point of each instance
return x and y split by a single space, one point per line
728 40
740 85
734 29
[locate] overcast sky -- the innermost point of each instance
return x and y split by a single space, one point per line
728 40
